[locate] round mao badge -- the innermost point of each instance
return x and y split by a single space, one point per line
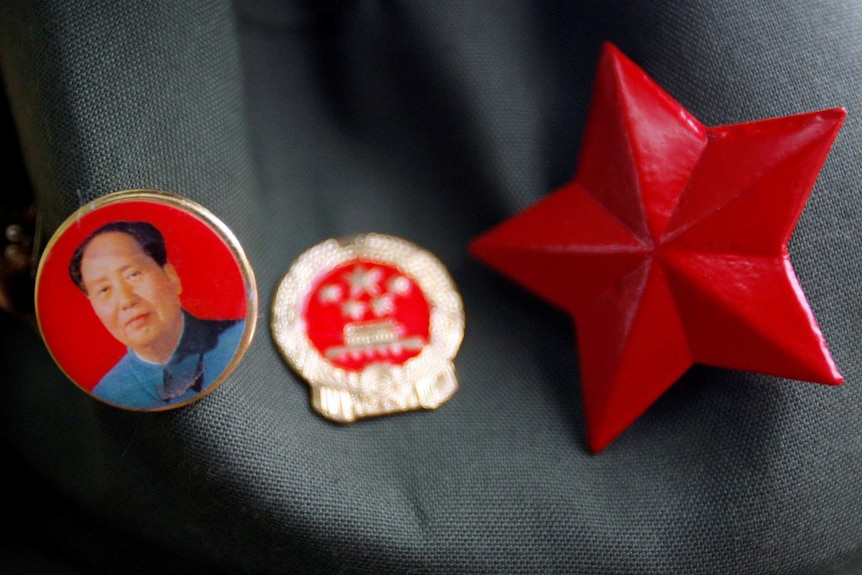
373 323
145 300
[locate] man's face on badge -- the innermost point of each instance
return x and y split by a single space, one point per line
136 299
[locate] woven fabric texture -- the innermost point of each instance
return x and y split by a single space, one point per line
430 120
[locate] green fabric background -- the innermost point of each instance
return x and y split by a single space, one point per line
430 120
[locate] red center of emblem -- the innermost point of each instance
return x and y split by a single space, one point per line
365 312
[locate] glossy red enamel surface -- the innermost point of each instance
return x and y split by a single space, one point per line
669 247
365 312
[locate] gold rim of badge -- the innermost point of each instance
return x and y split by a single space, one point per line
372 323
181 228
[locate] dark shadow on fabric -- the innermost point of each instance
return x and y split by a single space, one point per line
17 223
709 409
572 37
546 334
391 92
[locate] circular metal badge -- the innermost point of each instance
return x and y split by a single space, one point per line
373 323
145 300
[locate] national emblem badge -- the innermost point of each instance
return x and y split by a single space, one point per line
373 323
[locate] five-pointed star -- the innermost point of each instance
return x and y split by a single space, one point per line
669 247
364 281
330 293
353 309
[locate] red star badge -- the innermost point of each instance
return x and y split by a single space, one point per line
669 247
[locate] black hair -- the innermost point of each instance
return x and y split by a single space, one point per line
148 237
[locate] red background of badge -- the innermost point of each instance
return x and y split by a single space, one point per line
213 286
325 323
